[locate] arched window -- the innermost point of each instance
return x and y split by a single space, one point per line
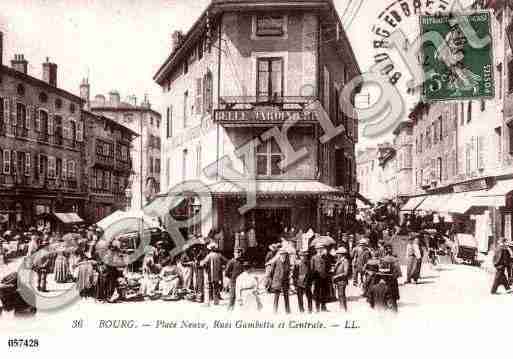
208 93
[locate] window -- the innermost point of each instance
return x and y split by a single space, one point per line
483 105
440 169
150 165
441 129
421 143
21 115
198 162
185 66
52 163
197 99
184 164
469 112
268 158
158 123
157 165
269 78
208 94
510 76
436 128
71 169
326 90
267 25
169 118
185 107
27 164
498 142
462 114
7 162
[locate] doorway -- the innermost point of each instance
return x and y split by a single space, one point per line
270 223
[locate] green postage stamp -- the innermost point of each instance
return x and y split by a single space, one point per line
457 56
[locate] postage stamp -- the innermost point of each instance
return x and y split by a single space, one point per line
455 67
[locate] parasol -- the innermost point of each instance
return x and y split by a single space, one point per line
68 237
323 240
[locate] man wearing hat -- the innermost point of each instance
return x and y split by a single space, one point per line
501 261
320 277
341 276
302 276
213 265
279 278
41 265
233 269
361 254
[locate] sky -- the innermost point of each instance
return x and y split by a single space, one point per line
120 44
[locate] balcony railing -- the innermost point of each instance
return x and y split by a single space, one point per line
229 102
123 166
104 160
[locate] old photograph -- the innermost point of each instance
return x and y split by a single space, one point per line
331 168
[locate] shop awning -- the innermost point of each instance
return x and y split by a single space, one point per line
275 187
68 218
433 203
461 202
412 204
121 215
496 196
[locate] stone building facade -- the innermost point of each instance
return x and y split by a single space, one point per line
146 148
233 80
108 166
42 146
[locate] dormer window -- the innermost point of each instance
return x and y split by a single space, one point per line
268 25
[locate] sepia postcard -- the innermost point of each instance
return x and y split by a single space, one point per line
295 178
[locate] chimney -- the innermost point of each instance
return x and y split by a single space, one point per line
176 40
100 100
50 72
114 98
146 103
132 100
19 63
85 92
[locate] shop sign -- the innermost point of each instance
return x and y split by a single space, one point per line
263 116
471 186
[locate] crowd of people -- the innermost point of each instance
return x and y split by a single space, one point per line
315 268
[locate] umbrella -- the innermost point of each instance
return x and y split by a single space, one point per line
68 237
323 240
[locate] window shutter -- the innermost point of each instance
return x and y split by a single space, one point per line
27 163
37 120
80 131
28 116
71 166
51 167
7 111
198 96
7 162
64 173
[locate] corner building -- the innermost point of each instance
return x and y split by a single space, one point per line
244 68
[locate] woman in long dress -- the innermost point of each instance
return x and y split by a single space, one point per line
185 267
413 255
85 277
62 272
170 279
247 290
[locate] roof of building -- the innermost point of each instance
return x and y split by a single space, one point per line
122 107
112 121
217 7
37 82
